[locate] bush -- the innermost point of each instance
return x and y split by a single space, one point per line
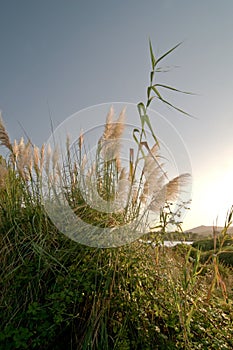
208 244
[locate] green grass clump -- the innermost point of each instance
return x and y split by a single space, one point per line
58 294
224 257
209 244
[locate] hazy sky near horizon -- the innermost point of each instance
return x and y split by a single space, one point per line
58 57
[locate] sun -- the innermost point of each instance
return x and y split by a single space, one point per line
212 196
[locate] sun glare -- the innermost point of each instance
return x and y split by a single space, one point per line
213 197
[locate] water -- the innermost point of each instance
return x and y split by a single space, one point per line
166 243
174 243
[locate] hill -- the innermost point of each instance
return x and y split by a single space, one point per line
206 230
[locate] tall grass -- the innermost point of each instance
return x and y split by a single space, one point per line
60 294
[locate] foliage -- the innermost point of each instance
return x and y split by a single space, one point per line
59 294
208 244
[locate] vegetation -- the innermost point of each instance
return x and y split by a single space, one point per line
59 294
219 247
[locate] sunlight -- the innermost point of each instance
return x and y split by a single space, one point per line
213 196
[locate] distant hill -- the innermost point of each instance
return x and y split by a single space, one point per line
206 230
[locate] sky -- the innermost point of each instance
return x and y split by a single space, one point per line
59 57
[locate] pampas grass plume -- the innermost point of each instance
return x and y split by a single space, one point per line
4 137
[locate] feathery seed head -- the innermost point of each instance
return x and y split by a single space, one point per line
158 200
80 140
42 156
123 174
3 175
36 159
145 193
174 187
67 143
55 157
83 162
4 137
118 162
15 152
150 160
109 143
48 158
108 124
119 126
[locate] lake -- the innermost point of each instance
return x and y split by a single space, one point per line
166 243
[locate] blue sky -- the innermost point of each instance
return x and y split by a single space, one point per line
58 57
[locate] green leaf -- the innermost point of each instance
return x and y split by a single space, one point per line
167 53
152 73
164 69
157 92
148 92
176 108
142 112
229 217
136 131
153 60
174 89
149 100
145 119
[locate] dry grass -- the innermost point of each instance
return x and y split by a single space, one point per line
4 137
114 183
